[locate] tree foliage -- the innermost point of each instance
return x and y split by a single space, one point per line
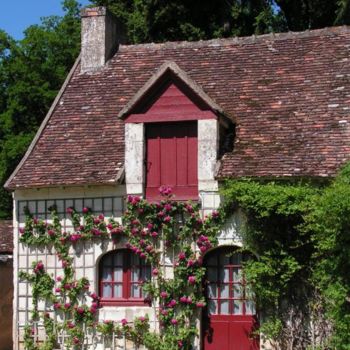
159 20
31 73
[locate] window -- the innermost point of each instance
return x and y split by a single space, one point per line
172 159
227 290
121 276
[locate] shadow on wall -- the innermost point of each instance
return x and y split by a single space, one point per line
6 296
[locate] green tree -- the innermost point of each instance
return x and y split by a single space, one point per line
31 73
161 20
312 14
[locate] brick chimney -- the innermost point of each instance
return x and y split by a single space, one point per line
100 35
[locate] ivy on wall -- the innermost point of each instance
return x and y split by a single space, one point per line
152 230
300 234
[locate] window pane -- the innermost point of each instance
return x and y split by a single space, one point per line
224 275
135 275
212 290
118 291
107 274
224 260
212 260
213 307
135 260
146 273
118 274
250 308
212 274
237 259
237 274
107 291
118 259
107 260
224 291
237 291
135 291
238 307
224 307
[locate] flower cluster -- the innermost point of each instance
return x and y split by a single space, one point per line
151 230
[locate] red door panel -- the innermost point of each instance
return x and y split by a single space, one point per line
172 159
230 321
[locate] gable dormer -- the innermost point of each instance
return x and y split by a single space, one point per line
171 135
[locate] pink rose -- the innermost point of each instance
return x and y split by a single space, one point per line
167 218
80 310
154 234
70 210
163 295
182 256
165 190
183 299
94 296
215 214
203 249
172 303
164 312
174 321
155 272
124 322
192 279
167 207
101 217
190 263
200 304
85 210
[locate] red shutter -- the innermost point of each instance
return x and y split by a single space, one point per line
172 159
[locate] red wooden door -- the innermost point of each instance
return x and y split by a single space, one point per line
172 159
231 316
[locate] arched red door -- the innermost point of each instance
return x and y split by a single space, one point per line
230 319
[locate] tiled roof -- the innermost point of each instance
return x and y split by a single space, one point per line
6 236
289 95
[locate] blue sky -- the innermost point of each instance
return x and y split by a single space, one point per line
17 15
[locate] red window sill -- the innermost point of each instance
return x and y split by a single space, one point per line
125 302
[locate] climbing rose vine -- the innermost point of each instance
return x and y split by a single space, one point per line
152 231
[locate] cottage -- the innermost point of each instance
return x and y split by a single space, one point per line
132 118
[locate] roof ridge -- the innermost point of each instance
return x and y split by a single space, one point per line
242 40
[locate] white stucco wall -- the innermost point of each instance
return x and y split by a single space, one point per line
86 255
